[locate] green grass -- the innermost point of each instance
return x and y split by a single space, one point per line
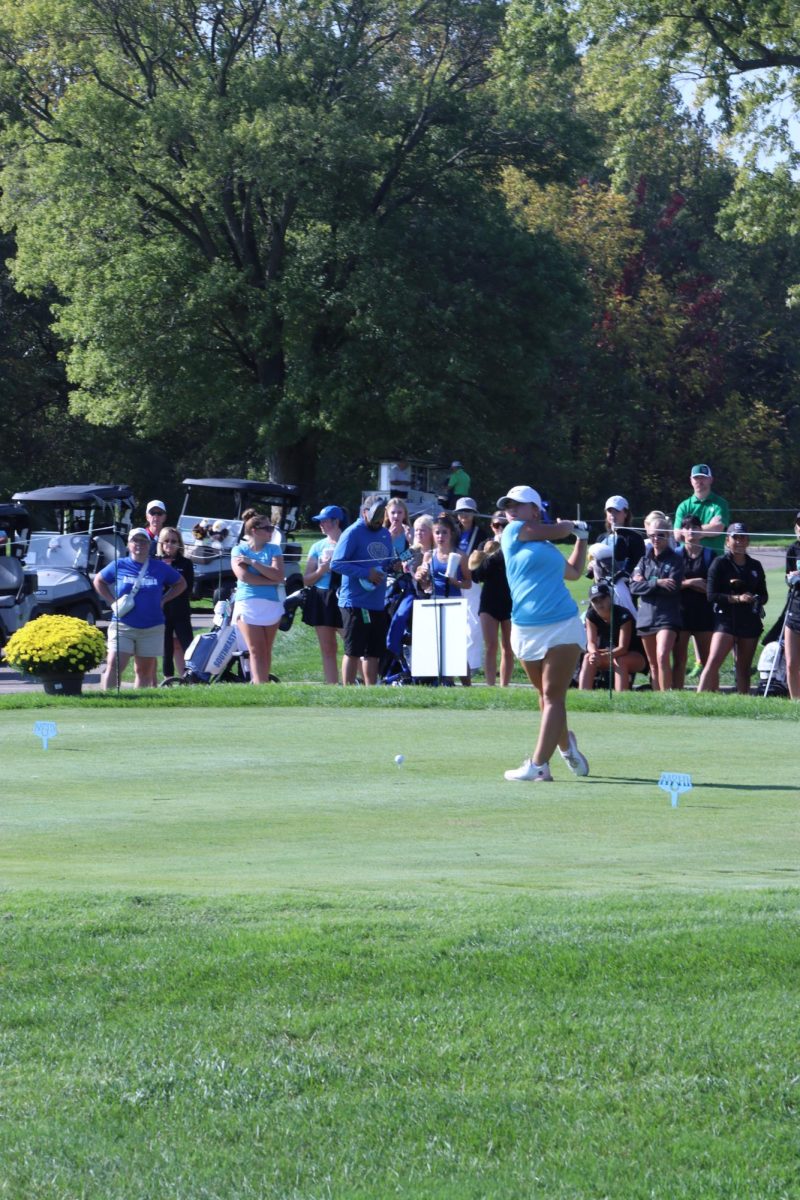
123 799
249 956
490 1046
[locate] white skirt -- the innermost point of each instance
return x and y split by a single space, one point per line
257 612
530 643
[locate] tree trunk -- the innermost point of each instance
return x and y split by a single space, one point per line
295 464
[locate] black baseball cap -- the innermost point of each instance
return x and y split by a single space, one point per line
599 589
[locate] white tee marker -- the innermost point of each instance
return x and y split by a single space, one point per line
675 782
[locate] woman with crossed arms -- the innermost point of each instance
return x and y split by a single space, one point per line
257 563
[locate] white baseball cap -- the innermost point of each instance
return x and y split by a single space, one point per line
617 502
522 494
151 504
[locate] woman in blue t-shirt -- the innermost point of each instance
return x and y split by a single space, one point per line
546 632
257 563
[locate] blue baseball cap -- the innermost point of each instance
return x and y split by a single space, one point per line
331 512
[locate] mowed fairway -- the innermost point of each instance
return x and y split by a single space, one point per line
214 802
247 957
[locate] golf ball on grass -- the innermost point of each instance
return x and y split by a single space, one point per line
399 759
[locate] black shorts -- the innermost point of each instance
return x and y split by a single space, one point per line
650 630
498 611
739 628
322 609
365 632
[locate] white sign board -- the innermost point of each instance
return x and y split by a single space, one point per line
439 642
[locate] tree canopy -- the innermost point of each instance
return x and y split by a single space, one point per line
743 57
272 216
291 235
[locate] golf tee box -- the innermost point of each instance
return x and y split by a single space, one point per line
675 782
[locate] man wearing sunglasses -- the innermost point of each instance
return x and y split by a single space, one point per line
362 557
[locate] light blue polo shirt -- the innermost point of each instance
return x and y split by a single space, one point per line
535 572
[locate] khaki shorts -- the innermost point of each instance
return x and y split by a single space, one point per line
143 643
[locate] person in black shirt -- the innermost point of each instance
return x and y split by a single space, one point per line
629 544
791 631
656 580
696 611
178 612
626 654
488 567
737 588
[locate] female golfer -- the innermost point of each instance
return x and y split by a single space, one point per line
737 588
546 632
258 566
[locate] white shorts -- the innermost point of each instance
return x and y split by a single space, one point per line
257 612
530 643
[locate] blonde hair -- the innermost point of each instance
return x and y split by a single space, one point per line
170 529
402 504
657 519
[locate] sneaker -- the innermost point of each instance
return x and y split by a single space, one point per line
530 773
577 762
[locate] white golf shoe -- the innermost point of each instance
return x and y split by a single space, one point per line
530 773
578 763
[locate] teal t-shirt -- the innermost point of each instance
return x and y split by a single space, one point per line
316 552
535 572
266 555
705 511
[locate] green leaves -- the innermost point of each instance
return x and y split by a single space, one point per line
231 203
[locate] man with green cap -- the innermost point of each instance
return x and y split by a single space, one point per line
711 510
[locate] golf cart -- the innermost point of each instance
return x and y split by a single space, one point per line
423 492
211 525
85 529
17 600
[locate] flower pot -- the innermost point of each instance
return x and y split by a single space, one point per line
69 684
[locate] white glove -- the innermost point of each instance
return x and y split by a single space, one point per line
581 530
793 578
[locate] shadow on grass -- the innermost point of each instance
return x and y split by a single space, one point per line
633 780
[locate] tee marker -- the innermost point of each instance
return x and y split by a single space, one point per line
675 782
45 730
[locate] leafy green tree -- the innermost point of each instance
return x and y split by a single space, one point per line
277 220
743 56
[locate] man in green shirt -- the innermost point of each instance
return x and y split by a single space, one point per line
458 484
711 510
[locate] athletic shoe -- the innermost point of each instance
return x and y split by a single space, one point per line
578 763
530 773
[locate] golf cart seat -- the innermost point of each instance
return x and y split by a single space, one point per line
110 547
202 553
12 578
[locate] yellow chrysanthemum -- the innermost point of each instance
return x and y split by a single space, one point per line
55 643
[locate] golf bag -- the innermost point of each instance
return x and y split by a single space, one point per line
600 562
772 659
216 656
394 666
